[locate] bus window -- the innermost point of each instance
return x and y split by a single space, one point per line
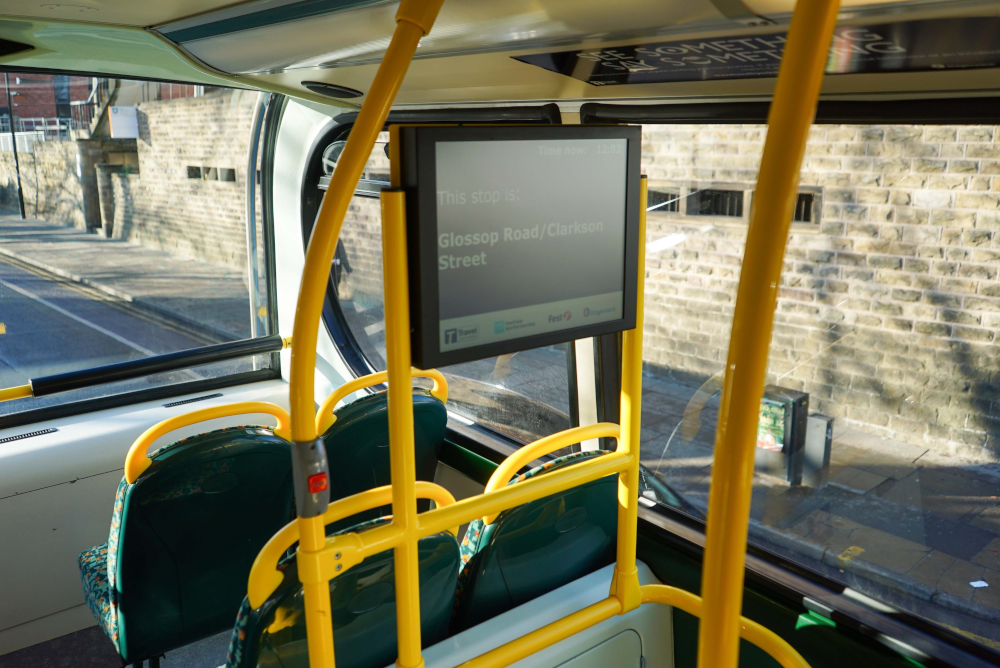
524 396
878 436
123 232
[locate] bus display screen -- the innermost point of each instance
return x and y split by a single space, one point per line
519 237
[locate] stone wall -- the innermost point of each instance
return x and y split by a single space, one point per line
151 197
57 180
889 305
165 205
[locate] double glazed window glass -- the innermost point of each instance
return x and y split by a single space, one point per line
525 395
877 443
123 229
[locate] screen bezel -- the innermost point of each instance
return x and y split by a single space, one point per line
414 170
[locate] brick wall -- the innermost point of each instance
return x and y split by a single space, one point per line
889 304
162 207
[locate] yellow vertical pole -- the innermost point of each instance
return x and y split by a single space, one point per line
316 598
400 398
791 115
625 583
414 19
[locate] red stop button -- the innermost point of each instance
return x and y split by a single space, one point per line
317 483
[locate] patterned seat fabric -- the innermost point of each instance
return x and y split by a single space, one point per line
97 572
94 573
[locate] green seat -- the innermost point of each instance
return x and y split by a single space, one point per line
183 538
357 446
363 604
535 548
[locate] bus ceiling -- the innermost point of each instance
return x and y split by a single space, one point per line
512 50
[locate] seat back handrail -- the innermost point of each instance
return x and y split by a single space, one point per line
543 446
264 576
325 416
137 459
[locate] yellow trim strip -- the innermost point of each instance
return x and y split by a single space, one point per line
528 453
18 392
136 461
265 578
325 417
791 115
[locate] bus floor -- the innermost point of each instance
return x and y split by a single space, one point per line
90 648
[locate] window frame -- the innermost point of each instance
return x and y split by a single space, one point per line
265 144
794 580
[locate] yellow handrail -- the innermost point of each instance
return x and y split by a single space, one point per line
791 115
547 636
325 417
529 453
265 578
16 392
596 613
137 461
516 495
414 19
446 517
749 630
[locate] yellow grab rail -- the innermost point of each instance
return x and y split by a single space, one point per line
16 392
547 636
540 448
414 19
137 461
596 613
265 578
325 417
749 630
446 517
791 115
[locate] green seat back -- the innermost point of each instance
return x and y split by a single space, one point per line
540 546
191 526
363 604
357 446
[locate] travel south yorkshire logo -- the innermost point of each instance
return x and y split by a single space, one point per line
460 334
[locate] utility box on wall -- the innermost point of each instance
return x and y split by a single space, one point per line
781 433
124 123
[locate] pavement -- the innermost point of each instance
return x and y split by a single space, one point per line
903 524
97 301
211 299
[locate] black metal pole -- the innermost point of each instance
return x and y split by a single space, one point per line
13 144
